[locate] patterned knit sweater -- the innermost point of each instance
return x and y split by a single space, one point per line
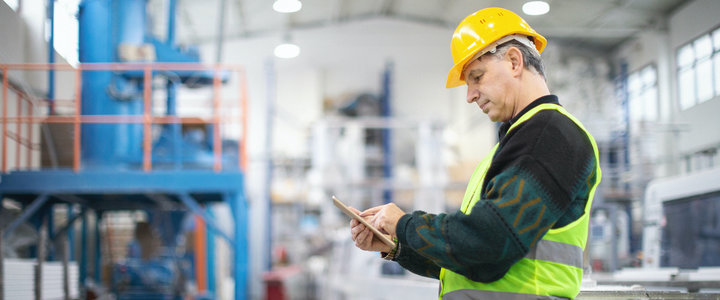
538 179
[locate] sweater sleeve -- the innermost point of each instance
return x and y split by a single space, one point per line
519 204
416 263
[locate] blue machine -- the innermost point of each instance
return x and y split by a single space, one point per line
111 177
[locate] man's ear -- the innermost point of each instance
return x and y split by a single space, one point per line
515 57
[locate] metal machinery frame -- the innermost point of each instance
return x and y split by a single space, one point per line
134 188
124 155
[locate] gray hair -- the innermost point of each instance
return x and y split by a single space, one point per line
531 59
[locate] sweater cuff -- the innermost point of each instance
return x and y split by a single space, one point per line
400 228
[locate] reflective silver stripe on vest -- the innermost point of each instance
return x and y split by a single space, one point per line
470 294
561 253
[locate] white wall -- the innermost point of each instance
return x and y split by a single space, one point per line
24 42
12 50
12 35
678 132
581 80
339 61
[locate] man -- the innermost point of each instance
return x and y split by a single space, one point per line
523 223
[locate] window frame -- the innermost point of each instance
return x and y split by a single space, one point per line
640 95
681 71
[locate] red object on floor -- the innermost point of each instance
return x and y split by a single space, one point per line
275 282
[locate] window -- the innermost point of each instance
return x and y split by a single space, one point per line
701 160
14 4
698 68
643 95
66 30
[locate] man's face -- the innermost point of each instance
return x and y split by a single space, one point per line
488 82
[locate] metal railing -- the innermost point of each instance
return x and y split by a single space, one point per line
147 119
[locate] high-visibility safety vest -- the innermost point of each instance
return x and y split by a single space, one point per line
553 267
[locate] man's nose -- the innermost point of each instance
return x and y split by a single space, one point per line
472 94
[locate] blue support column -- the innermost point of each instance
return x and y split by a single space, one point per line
2 258
70 233
51 56
103 26
210 222
63 230
239 208
50 229
175 129
210 255
172 8
98 252
386 110
83 251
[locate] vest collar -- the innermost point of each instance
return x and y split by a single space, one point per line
506 125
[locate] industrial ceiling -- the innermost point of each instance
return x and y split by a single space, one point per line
602 24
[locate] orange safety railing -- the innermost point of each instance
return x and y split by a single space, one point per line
147 118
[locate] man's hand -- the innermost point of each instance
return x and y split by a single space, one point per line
364 238
384 217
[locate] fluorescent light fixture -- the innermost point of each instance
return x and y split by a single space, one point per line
536 8
287 50
287 6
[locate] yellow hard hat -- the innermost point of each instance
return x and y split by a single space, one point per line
480 30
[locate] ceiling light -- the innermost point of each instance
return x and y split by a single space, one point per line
287 6
287 50
536 8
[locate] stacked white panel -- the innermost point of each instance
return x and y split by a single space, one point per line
19 279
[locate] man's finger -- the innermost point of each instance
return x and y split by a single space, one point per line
375 221
363 239
371 211
354 223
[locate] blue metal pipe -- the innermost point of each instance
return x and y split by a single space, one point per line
99 141
210 255
83 250
65 229
109 145
71 232
131 15
51 56
98 253
386 110
239 208
175 129
172 8
50 229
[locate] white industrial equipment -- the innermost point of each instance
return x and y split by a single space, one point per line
681 221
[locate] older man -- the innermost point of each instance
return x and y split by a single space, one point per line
523 223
